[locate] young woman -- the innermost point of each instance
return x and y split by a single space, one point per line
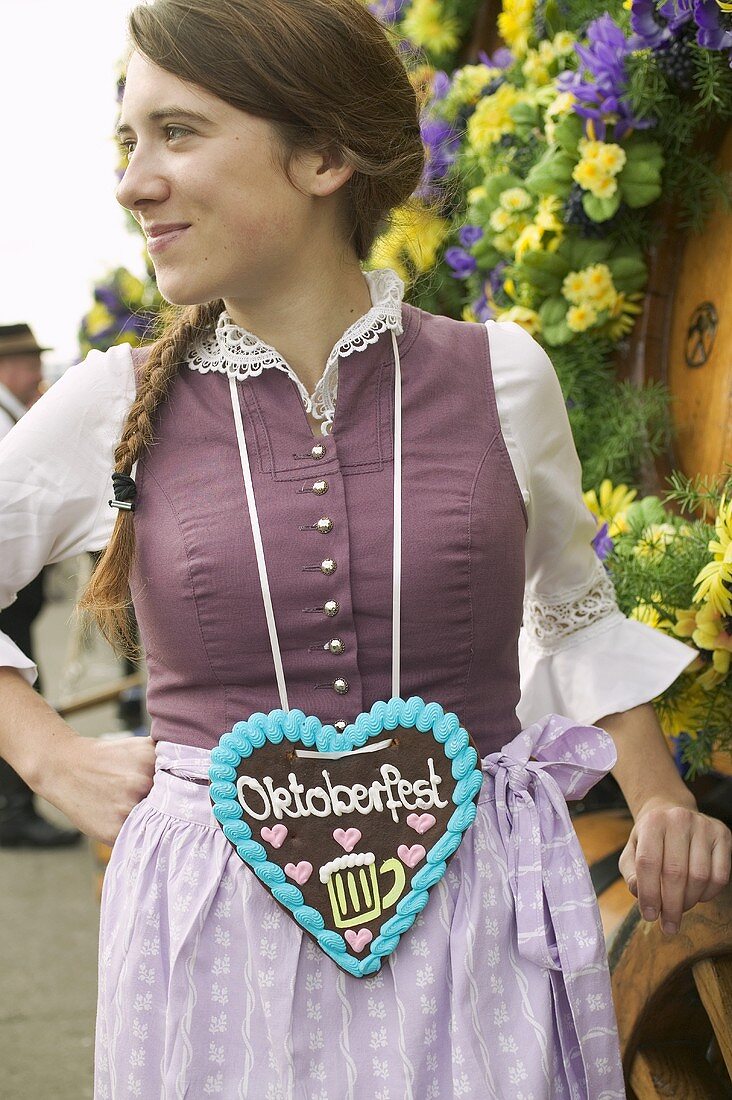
267 144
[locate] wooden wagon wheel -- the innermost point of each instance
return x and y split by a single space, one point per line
684 336
672 995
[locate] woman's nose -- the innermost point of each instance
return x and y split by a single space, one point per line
142 183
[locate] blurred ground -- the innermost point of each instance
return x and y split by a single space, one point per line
48 906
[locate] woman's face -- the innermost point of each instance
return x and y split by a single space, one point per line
220 216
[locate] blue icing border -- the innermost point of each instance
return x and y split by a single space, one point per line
296 727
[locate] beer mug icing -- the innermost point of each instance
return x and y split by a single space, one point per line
348 831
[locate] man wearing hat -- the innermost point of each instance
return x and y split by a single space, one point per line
20 378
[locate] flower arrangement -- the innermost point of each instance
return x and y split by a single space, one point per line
674 572
125 311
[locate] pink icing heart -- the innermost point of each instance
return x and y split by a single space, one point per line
421 822
347 838
274 836
410 856
301 872
359 940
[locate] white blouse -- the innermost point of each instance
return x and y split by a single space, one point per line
579 656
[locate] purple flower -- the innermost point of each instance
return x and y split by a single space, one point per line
602 543
677 12
108 296
495 278
482 309
470 235
461 262
501 59
441 84
441 143
600 84
386 11
649 31
713 34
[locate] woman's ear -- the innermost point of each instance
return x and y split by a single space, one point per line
323 173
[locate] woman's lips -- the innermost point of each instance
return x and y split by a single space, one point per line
159 241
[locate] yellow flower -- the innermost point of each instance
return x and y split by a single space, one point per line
535 68
715 579
427 24
491 119
711 633
563 42
580 318
415 235
515 24
527 318
500 220
529 241
469 82
561 105
646 613
468 314
685 624
131 288
575 288
723 528
546 216
623 314
475 194
515 199
599 284
593 178
611 505
98 319
654 540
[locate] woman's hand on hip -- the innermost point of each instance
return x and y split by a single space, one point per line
97 783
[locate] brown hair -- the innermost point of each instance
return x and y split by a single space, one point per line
325 74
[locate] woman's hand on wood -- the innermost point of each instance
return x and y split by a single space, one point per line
675 857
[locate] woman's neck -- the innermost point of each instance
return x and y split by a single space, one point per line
305 319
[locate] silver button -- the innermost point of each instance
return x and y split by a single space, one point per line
324 525
320 487
340 686
328 566
336 645
318 451
340 725
331 608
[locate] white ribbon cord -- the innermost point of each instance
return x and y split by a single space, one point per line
396 602
397 540
258 547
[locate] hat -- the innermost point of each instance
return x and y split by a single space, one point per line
18 340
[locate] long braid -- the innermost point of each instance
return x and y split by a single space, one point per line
107 597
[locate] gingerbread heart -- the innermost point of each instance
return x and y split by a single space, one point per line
404 766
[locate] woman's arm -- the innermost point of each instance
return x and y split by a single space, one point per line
95 783
55 480
675 856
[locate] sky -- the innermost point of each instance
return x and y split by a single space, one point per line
61 229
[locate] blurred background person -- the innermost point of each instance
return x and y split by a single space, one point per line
21 381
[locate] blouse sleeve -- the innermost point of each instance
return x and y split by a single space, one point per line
55 476
579 655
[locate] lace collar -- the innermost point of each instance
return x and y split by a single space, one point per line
234 351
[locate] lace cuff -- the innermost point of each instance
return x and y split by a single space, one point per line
555 623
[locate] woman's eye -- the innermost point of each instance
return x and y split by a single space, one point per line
174 132
127 148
